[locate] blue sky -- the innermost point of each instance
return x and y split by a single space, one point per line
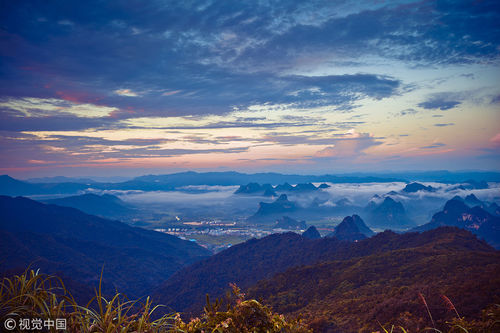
134 87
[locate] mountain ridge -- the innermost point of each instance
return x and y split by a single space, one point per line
66 239
256 259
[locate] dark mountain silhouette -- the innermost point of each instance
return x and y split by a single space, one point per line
61 179
283 187
248 188
308 187
172 181
291 224
322 186
254 188
477 220
344 202
268 189
269 211
363 228
13 187
492 208
359 294
311 233
472 200
65 240
269 193
106 205
256 259
475 184
236 178
389 214
415 187
347 230
351 229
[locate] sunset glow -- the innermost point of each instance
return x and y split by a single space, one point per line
292 87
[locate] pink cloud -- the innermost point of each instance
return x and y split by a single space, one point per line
170 93
496 139
349 144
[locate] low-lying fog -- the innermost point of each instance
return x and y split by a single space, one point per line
221 202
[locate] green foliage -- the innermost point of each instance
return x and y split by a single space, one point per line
242 316
34 295
352 295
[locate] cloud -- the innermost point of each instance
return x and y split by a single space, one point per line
407 112
170 93
291 69
126 92
438 104
441 101
434 145
496 139
351 144
45 107
496 99
444 124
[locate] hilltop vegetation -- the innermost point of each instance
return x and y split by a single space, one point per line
476 220
105 205
34 295
354 295
247 263
68 242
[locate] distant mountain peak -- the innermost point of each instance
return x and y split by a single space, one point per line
476 220
269 193
311 233
283 187
289 223
352 228
415 187
389 200
269 210
472 200
387 214
282 197
454 205
305 187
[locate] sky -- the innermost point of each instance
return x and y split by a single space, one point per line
108 88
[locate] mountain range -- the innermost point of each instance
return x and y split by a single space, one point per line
476 220
105 205
60 185
268 189
77 246
247 263
387 288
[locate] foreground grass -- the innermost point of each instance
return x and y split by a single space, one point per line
34 295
